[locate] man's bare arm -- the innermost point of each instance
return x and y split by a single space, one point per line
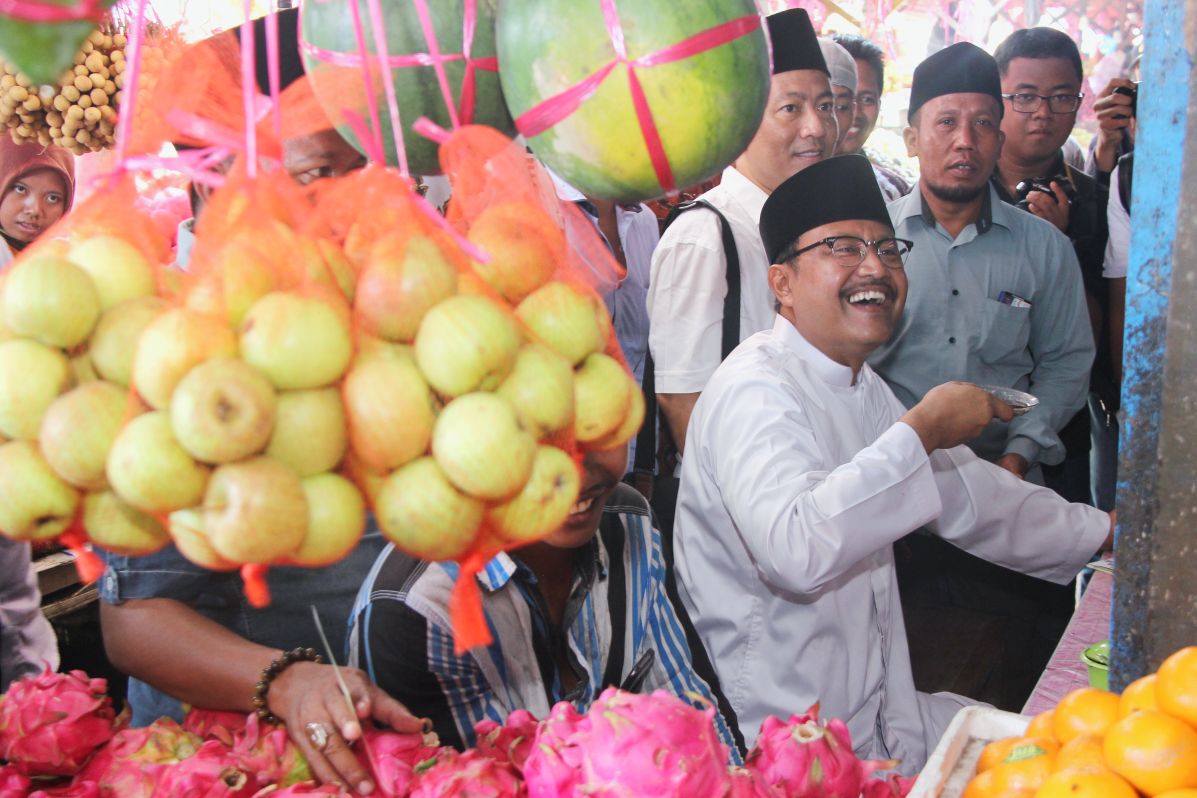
677 408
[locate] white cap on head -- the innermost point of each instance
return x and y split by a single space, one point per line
840 63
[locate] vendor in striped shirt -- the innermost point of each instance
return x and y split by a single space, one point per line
586 608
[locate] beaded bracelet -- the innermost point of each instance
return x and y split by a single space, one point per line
271 672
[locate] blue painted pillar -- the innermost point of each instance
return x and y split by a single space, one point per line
1155 589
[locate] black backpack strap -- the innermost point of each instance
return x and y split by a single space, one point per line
646 439
1126 172
731 302
617 600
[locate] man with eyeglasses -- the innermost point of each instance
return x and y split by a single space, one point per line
803 468
1041 86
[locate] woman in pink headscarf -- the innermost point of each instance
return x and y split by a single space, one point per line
37 185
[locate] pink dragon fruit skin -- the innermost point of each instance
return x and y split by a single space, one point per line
133 761
511 742
51 723
629 745
73 789
747 784
302 788
267 752
14 784
215 724
802 758
468 775
392 758
892 786
212 772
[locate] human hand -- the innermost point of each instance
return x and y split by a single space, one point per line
1054 207
954 413
643 482
307 697
1114 114
1108 545
1015 463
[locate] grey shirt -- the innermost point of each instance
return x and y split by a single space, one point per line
1002 304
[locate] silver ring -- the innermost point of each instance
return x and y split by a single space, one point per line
318 734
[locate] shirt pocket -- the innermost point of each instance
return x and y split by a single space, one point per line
1005 332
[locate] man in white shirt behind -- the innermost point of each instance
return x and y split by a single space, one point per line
802 469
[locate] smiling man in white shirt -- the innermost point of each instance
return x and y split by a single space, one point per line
802 469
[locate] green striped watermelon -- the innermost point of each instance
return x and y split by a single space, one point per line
44 50
327 27
705 107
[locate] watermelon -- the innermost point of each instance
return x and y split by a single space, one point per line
705 107
44 50
328 27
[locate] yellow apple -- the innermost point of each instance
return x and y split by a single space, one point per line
78 430
339 267
420 511
150 470
545 501
117 268
32 376
630 426
602 396
524 244
571 320
239 278
51 300
34 503
115 526
82 368
399 285
479 443
186 529
336 520
114 341
467 343
173 344
368 480
368 346
390 411
310 430
297 341
541 389
255 511
223 410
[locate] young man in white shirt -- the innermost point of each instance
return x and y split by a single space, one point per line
804 468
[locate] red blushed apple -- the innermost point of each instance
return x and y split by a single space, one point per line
35 504
478 442
390 410
400 284
173 344
51 300
78 430
525 247
420 511
255 511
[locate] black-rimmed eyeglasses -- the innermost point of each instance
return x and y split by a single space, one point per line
850 251
1027 103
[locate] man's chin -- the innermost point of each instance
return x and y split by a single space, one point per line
956 194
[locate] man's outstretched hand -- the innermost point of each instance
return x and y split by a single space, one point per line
954 413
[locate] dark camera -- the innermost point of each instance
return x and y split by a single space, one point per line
1134 95
1044 184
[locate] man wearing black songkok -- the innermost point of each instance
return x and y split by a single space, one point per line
803 469
996 298
705 295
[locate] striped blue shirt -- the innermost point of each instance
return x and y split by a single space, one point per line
622 604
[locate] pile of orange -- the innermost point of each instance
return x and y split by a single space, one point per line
1096 744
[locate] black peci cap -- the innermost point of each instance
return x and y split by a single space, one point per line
795 45
962 68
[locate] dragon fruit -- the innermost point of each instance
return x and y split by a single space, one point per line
13 784
267 752
893 786
628 745
803 758
215 724
133 761
393 756
747 784
211 772
468 775
51 723
73 789
302 788
510 742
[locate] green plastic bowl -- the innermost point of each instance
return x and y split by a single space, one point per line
1097 659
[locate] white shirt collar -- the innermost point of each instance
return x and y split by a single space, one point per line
832 373
744 191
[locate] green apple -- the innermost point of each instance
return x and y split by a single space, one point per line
571 320
602 397
32 376
114 341
478 442
525 248
82 368
297 341
6 333
223 410
237 280
368 346
321 262
115 526
336 520
390 411
628 428
51 300
78 430
544 502
467 343
186 529
172 345
150 470
310 432
117 268
339 267
35 504
399 285
420 511
541 389
255 511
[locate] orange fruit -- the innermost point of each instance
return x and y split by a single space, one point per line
1139 694
980 786
1041 724
997 751
1185 793
1081 755
1026 767
1153 751
1087 711
1176 685
1071 784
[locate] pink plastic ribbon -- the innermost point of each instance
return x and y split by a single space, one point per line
249 90
546 114
388 82
272 69
33 11
124 125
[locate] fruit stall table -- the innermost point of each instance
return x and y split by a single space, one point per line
1065 671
